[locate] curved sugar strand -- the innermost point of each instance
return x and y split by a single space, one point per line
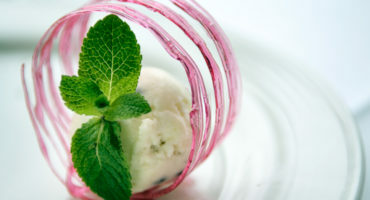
42 57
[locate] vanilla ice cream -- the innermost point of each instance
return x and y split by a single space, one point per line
157 144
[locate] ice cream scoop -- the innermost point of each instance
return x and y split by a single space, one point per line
157 144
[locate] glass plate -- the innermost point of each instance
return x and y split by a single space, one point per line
294 139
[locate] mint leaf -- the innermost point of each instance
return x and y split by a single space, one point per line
80 95
127 106
98 158
110 57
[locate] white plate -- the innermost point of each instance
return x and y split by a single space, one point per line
294 139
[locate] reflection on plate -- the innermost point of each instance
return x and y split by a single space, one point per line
294 140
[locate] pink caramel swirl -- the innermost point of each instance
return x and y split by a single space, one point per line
51 119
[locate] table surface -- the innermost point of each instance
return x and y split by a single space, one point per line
330 37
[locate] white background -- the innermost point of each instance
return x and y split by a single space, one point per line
331 37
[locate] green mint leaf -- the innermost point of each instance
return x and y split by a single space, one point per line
109 69
110 57
127 106
98 158
80 95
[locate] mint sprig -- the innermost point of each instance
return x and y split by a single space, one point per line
109 69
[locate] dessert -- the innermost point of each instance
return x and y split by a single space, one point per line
212 114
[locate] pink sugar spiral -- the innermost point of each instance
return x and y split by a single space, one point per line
51 119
